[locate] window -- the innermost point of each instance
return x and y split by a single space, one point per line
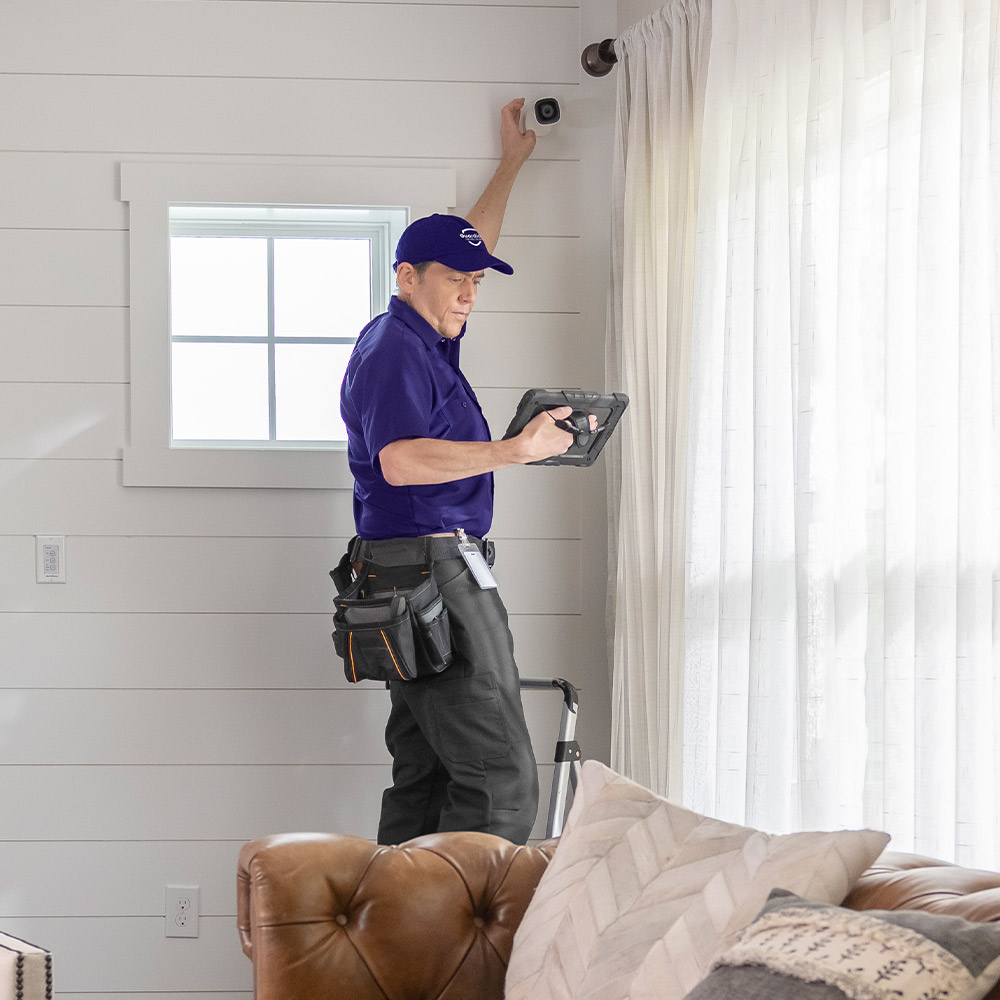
255 347
265 306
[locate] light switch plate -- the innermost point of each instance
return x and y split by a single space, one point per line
50 558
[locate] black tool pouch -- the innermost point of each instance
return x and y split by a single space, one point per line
401 635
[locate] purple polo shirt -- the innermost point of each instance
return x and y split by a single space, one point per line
403 381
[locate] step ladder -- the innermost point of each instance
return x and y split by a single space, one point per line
567 755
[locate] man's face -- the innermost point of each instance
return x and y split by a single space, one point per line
443 297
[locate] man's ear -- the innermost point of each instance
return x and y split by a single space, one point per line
406 276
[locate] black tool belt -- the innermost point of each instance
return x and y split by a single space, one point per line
400 632
427 549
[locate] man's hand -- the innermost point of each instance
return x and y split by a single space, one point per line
516 145
543 438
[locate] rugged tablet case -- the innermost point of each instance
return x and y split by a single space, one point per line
607 407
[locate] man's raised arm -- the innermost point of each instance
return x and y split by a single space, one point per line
516 146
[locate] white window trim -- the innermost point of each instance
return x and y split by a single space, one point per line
150 188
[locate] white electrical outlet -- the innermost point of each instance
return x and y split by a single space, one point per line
182 909
50 558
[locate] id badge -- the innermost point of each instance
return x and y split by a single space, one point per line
477 564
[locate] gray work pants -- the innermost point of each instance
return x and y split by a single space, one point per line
461 755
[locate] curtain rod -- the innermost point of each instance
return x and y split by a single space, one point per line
599 58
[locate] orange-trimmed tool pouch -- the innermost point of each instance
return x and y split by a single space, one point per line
390 636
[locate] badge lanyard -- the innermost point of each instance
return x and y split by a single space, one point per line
475 561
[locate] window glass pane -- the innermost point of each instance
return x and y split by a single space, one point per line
218 286
322 287
219 392
307 381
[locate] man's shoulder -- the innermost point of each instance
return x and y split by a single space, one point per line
388 353
375 332
386 332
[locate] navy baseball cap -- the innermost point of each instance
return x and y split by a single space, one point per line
449 240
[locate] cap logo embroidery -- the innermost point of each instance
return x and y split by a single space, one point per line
471 237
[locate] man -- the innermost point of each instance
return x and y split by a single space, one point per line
423 461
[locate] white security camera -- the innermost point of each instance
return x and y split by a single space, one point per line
543 115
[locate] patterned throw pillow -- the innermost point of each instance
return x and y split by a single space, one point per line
800 950
641 893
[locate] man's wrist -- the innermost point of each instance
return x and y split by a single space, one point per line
506 452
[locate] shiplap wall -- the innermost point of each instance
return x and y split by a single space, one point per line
178 695
632 11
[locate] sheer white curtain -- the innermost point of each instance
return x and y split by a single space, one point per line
828 623
662 67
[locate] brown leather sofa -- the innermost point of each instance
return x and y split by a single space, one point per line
327 917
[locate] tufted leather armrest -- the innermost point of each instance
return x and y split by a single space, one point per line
323 915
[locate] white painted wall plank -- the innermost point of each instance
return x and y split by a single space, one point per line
250 575
195 727
544 279
200 803
195 651
62 267
340 41
62 420
189 803
536 501
115 877
85 497
69 191
499 405
546 200
517 348
215 727
153 650
63 343
552 646
255 116
214 575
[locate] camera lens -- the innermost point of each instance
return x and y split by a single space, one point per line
547 111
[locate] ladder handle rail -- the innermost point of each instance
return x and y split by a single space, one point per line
571 694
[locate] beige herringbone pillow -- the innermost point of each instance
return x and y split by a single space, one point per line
642 893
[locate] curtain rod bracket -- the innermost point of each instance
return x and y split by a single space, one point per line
599 58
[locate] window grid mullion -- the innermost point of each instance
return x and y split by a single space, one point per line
272 400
